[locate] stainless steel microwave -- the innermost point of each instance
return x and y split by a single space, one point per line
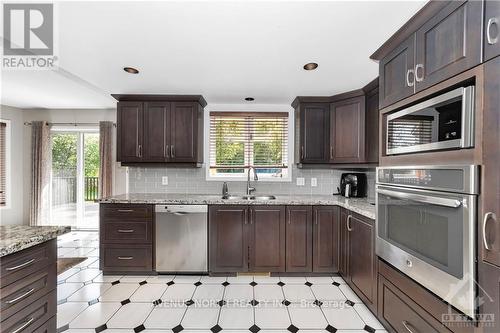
442 122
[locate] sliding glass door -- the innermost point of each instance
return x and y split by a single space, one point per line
75 178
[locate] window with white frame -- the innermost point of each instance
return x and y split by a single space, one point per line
243 140
4 162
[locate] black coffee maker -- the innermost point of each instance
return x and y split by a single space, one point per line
353 185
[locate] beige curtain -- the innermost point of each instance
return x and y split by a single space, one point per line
106 159
40 173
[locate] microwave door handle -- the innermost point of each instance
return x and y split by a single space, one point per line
452 203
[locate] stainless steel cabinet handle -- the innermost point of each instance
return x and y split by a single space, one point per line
125 210
331 153
24 264
167 151
125 258
301 152
408 327
23 326
491 40
125 231
417 78
172 150
487 216
140 150
408 82
349 227
18 298
452 203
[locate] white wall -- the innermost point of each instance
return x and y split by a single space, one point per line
66 116
13 213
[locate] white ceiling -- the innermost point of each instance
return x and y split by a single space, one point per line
223 50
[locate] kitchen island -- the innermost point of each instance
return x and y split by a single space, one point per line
28 277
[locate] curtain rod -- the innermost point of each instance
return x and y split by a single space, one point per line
69 124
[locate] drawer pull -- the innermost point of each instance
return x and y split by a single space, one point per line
125 210
23 326
349 227
125 258
18 298
27 263
125 231
408 327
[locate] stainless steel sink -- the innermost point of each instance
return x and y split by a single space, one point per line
249 197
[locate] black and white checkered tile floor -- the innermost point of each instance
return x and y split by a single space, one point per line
90 302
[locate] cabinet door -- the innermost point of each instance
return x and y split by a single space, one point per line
449 43
396 72
298 238
371 124
489 291
326 239
362 258
347 131
490 219
314 133
267 238
130 131
228 251
491 29
156 122
183 131
344 244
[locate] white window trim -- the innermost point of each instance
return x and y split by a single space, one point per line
8 163
244 108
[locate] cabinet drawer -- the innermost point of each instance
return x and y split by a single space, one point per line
132 258
129 232
16 266
32 316
50 326
126 212
18 295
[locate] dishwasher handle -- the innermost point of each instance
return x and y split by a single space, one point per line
181 209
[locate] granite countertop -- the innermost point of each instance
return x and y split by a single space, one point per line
19 237
361 206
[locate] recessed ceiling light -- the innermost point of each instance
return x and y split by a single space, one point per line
310 66
131 70
249 99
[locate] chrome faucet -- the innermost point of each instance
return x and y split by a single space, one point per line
251 189
225 190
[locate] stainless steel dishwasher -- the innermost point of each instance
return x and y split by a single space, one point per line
181 239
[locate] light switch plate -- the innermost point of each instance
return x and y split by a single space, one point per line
301 181
164 180
314 182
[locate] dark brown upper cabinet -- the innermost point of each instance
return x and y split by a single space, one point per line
326 238
491 29
299 239
397 73
490 219
448 44
228 246
130 133
371 121
160 129
313 120
442 40
347 130
267 238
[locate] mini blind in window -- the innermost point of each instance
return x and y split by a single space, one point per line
3 164
409 131
240 140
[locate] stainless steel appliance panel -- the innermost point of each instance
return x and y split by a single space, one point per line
181 238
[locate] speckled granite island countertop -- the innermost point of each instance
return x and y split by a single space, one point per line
361 206
19 237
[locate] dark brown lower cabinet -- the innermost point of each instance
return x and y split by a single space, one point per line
266 233
299 239
326 238
228 245
405 306
489 297
362 261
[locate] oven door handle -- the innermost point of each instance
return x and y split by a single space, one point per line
452 203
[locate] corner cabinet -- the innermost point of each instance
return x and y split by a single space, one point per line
160 129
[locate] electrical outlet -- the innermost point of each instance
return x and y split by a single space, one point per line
314 182
301 181
164 180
